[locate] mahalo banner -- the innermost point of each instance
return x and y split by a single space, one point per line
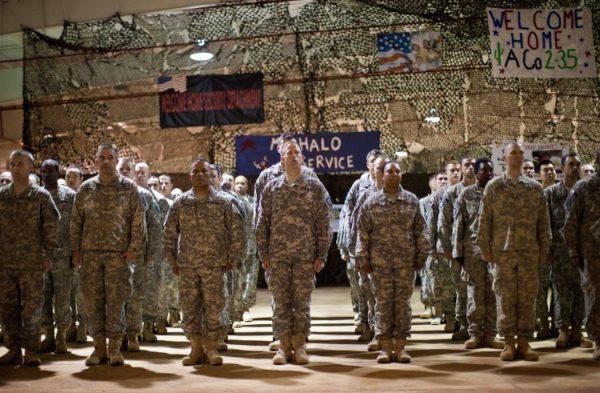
202 100
542 43
328 152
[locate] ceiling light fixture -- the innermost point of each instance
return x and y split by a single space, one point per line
202 54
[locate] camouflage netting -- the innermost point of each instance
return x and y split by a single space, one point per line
97 82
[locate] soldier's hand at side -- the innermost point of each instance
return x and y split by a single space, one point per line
129 258
265 264
486 256
150 262
460 260
46 265
175 269
319 264
344 256
77 259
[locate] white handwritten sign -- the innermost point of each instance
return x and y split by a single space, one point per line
542 43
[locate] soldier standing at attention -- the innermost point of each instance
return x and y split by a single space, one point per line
107 236
58 281
481 301
27 209
293 235
444 245
203 213
514 236
566 280
392 246
582 236
587 170
528 168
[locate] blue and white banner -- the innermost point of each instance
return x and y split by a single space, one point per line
327 152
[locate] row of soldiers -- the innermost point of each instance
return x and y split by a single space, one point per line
496 249
104 263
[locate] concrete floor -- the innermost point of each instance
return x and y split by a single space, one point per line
338 363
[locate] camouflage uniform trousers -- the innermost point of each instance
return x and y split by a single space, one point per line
441 285
569 303
481 300
76 298
291 284
168 298
202 299
231 279
365 282
21 306
58 283
591 291
355 297
250 275
541 302
106 283
426 298
134 304
150 302
460 288
392 288
516 286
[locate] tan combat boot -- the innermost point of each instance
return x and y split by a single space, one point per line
463 331
147 333
577 339
473 342
48 344
13 356
450 326
299 345
360 328
82 333
72 331
284 353
400 352
508 352
274 345
366 336
197 355
161 327
99 355
596 354
214 359
133 345
562 341
387 349
427 314
490 341
115 358
31 358
524 351
374 345
61 340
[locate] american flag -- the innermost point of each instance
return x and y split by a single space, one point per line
409 52
177 83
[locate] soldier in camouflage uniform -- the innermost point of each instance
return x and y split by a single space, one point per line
441 283
587 170
293 235
364 278
107 236
426 292
358 187
566 281
481 301
251 264
74 178
58 281
135 314
28 229
273 172
542 311
582 236
392 245
207 214
514 236
5 178
444 245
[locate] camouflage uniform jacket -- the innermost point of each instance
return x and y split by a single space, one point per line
203 232
466 222
64 199
433 216
556 197
28 227
249 214
108 218
392 232
358 187
582 226
425 206
514 216
353 220
294 220
153 224
446 217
